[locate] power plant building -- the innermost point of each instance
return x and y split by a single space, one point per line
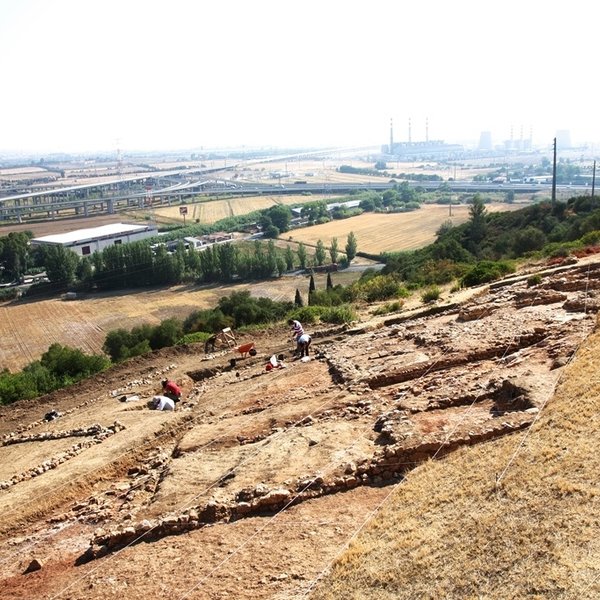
425 150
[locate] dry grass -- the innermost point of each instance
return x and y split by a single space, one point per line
27 329
214 210
378 232
449 532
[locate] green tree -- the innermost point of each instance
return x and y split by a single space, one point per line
280 266
298 299
351 247
528 239
209 264
61 264
311 289
116 344
302 255
477 226
227 261
333 250
14 254
166 334
329 282
271 258
289 258
85 271
70 364
320 253
280 216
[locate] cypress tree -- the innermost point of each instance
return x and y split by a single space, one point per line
311 289
329 282
298 299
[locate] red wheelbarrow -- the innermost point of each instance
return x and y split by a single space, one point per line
246 349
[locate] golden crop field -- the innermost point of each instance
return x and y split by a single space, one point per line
27 329
214 210
381 232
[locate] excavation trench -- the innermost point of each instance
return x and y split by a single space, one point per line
386 467
453 360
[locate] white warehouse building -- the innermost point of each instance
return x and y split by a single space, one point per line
87 241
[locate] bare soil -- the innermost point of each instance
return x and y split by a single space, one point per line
259 479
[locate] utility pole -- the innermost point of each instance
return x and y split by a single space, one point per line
554 175
593 182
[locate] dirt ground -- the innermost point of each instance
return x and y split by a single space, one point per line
259 479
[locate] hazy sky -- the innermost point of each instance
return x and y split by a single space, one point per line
82 75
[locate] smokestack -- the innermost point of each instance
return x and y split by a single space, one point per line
409 131
426 129
391 136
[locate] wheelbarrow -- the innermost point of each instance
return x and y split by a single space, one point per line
246 349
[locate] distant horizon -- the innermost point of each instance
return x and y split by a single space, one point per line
8 154
83 77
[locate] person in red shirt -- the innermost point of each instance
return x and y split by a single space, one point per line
171 390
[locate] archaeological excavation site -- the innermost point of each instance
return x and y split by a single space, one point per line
259 479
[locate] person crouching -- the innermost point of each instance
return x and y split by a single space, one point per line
171 390
162 403
304 342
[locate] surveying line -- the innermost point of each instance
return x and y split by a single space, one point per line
116 554
528 430
419 378
381 505
328 465
151 443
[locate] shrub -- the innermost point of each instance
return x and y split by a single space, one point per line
389 307
486 271
9 293
194 338
306 314
591 238
338 314
534 280
431 294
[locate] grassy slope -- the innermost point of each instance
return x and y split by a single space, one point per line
448 532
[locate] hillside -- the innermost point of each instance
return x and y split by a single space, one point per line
260 480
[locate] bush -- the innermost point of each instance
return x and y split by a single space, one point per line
338 314
534 280
591 238
194 338
376 287
486 271
9 293
306 314
387 308
58 367
431 294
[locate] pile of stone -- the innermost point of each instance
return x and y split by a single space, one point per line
100 434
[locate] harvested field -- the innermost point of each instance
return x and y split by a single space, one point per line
28 328
381 232
212 211
259 480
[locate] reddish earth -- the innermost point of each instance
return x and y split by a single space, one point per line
260 479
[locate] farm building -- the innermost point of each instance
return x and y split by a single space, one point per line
87 241
193 242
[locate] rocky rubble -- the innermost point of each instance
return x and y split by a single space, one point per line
98 433
374 402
